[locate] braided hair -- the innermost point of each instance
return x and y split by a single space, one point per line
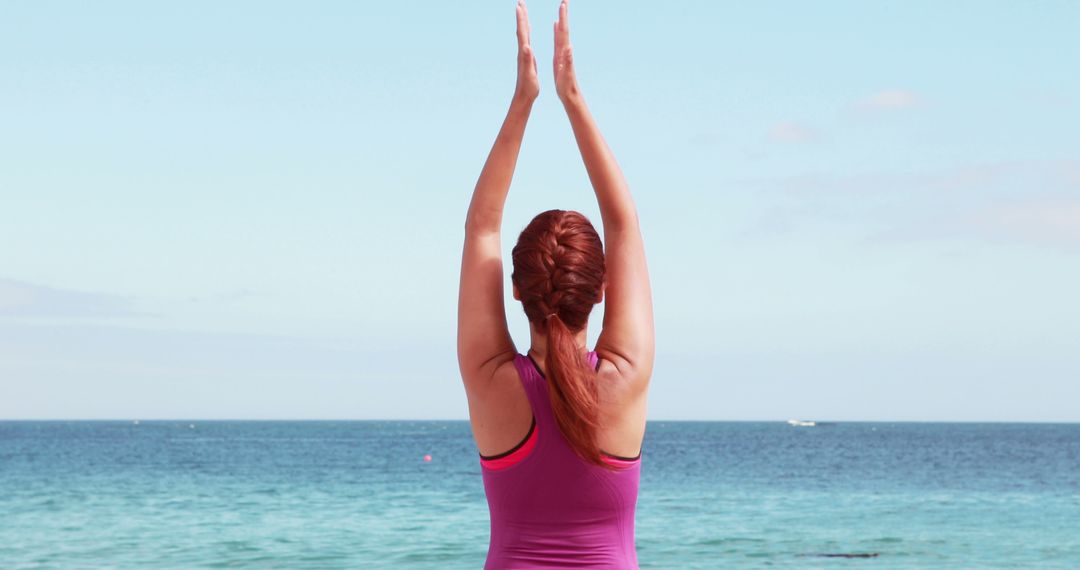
559 273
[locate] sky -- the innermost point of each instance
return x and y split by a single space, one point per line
255 210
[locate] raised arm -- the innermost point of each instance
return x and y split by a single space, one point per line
483 338
627 338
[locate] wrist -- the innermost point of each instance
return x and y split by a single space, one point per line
571 96
572 100
522 102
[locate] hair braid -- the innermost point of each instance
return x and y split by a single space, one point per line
559 270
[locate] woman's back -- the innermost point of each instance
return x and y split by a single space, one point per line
550 508
557 500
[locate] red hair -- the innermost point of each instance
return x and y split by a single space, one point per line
559 275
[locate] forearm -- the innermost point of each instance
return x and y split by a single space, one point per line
489 197
612 193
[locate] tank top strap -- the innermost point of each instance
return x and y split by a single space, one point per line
536 388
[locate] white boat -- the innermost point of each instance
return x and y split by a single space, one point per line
801 423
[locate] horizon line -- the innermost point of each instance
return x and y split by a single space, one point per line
466 420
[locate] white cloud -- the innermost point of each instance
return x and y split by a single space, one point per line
974 182
1053 98
890 100
1022 202
1070 173
792 132
1046 220
22 299
704 139
92 371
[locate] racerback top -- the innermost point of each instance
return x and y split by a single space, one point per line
550 508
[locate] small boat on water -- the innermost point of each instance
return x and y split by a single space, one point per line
801 423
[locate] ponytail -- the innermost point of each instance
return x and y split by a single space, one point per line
575 398
559 274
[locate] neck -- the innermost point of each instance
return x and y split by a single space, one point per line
538 339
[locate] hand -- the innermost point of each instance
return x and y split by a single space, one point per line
566 85
528 82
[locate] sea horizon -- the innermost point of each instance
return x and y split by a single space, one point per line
819 421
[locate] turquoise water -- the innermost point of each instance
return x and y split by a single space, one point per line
197 494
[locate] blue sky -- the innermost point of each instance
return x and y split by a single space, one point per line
853 211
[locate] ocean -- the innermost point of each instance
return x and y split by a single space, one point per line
360 494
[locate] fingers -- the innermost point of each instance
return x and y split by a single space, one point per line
562 28
522 24
564 20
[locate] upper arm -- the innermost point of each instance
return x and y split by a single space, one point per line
627 338
483 340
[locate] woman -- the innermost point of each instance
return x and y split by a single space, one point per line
559 429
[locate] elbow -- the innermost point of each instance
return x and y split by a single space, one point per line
480 225
622 223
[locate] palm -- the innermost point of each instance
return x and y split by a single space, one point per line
565 79
528 82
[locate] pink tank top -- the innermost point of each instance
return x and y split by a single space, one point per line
551 509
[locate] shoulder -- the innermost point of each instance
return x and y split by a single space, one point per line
480 380
621 374
495 377
500 411
509 372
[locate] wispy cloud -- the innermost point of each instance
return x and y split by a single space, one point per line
1070 173
224 297
1046 220
704 139
1024 202
792 133
1052 98
22 299
86 370
891 99
980 181
818 185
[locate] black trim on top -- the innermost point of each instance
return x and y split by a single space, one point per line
541 372
619 457
536 366
516 447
